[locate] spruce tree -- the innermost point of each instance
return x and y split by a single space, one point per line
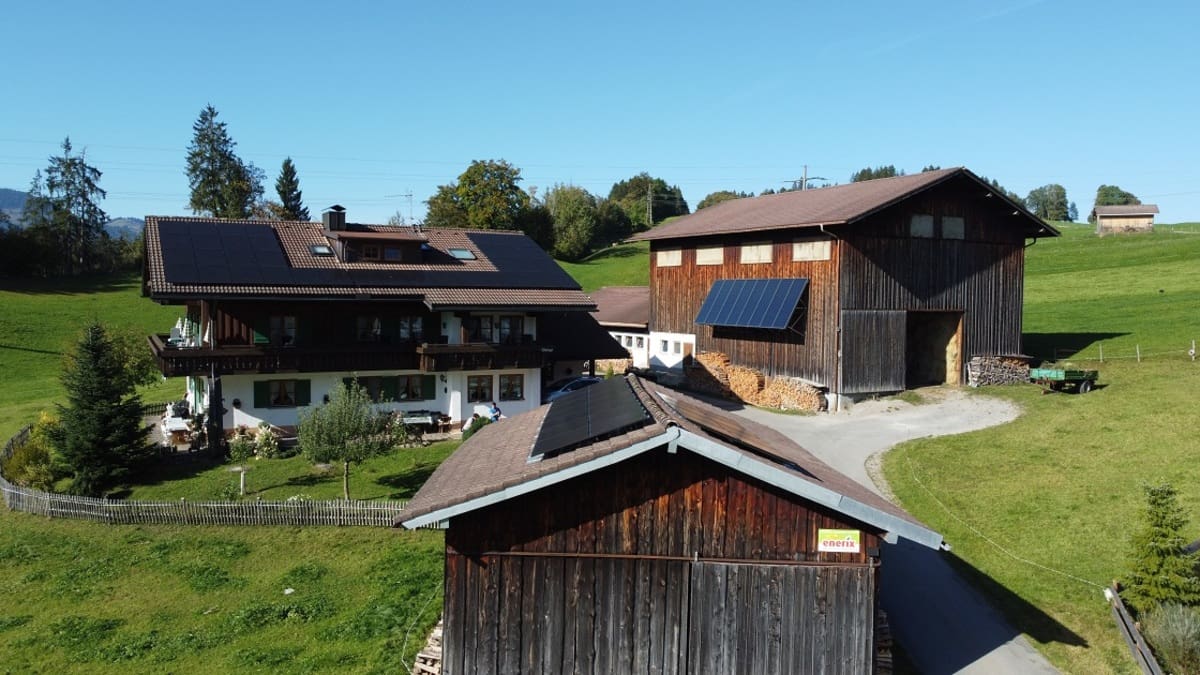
221 184
100 435
287 186
1161 570
63 210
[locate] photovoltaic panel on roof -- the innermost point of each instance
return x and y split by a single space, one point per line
587 415
751 303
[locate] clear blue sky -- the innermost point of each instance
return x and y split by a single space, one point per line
373 100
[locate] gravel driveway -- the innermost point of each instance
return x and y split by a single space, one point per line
944 625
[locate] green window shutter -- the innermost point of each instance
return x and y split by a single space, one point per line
303 392
389 388
262 394
428 387
262 330
431 328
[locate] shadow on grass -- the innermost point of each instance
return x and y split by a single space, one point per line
612 253
178 467
30 349
1055 346
406 483
73 285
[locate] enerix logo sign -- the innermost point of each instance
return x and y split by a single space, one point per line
839 541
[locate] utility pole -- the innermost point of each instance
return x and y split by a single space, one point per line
802 183
649 205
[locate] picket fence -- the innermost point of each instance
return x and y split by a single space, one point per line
377 513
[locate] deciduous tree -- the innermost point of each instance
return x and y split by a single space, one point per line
287 186
348 429
1111 195
101 435
714 198
486 196
221 184
63 208
647 200
1049 202
574 211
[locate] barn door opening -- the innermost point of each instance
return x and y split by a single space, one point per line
934 348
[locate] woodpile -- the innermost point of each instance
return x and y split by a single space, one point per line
614 366
883 644
429 660
712 373
992 370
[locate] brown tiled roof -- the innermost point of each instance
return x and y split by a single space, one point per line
1127 210
496 458
837 205
509 270
627 306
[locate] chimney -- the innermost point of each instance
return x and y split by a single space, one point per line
334 218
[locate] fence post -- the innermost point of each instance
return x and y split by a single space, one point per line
1139 352
1101 352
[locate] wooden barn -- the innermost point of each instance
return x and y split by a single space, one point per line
1124 218
876 286
628 528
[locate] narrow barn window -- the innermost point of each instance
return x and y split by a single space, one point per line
921 226
640 343
669 257
953 227
752 254
664 347
677 348
710 255
810 250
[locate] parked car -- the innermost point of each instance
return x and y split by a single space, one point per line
561 388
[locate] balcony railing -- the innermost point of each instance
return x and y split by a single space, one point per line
176 361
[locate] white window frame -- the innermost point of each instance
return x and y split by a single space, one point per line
819 249
756 253
954 227
668 257
710 255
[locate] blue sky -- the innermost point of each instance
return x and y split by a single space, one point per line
375 100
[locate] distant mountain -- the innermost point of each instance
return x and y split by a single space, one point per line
125 228
12 202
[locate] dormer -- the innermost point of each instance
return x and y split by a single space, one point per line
361 243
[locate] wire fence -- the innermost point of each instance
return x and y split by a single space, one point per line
296 513
1097 352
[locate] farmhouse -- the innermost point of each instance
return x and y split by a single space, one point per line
625 312
438 322
631 528
1124 218
875 286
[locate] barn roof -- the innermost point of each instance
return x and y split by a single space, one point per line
622 306
836 205
494 465
1126 210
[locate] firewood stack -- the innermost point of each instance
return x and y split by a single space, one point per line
712 373
708 374
991 370
429 660
883 644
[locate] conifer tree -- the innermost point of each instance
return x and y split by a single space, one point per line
63 210
100 436
287 186
1161 570
222 185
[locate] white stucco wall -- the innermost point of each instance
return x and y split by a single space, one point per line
640 355
672 356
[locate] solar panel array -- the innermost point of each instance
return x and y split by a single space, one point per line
752 303
589 414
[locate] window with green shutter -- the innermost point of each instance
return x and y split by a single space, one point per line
303 392
262 394
428 387
262 330
389 389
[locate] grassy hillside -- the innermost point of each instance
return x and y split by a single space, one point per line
1061 486
620 265
41 320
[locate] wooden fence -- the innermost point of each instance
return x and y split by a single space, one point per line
379 513
1138 647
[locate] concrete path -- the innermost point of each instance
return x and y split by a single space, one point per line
943 623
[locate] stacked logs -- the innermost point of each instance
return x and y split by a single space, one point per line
712 373
991 370
429 660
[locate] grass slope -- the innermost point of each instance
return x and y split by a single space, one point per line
1060 486
620 265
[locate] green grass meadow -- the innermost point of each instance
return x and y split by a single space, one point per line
1060 487
620 265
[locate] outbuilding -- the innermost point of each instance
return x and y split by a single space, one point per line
1124 218
629 528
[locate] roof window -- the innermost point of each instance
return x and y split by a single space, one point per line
322 250
461 253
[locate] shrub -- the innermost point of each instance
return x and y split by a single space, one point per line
241 446
266 443
479 423
1174 632
1161 570
31 464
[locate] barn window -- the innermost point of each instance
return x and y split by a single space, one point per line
756 253
921 226
663 347
710 255
640 343
810 250
669 257
953 227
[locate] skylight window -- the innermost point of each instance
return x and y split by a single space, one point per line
461 253
321 250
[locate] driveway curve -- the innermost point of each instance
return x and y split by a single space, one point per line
944 624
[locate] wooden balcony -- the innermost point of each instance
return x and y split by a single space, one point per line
177 361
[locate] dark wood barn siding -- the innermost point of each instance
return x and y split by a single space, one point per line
676 294
318 323
595 575
872 351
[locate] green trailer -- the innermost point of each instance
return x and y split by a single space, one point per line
1058 379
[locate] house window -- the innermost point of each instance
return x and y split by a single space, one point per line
392 254
321 250
512 387
416 388
953 227
281 393
640 343
664 347
677 348
461 253
810 250
411 328
370 252
479 388
478 328
669 257
511 329
283 330
710 255
628 340
370 329
752 254
921 226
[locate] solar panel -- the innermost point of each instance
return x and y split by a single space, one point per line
587 415
752 303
